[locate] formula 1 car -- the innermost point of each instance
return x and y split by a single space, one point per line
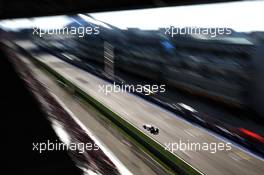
152 129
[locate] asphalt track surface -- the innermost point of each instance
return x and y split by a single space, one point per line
133 159
173 129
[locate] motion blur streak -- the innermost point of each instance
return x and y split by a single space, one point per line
252 134
173 82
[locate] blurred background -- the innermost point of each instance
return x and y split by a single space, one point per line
220 77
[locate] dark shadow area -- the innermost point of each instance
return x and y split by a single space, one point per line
22 124
31 8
